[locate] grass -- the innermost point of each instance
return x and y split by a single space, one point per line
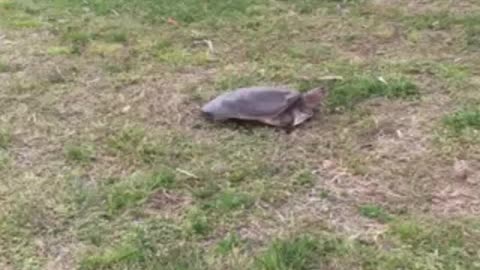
228 244
5 138
229 201
347 94
4 67
441 21
58 50
135 190
464 123
79 153
413 246
140 249
106 163
310 6
299 253
466 120
374 212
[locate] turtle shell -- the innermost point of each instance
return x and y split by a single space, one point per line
253 103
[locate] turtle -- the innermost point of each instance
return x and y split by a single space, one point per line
278 106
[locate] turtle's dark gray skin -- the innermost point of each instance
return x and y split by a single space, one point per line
276 106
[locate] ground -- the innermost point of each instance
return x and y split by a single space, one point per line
107 163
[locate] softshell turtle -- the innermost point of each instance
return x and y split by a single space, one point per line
272 105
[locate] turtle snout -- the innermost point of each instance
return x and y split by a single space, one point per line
315 97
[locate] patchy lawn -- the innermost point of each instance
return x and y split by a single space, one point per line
107 164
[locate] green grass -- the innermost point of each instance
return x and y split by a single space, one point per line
302 253
152 11
199 223
230 242
15 16
413 245
432 21
127 140
310 6
374 212
466 120
233 81
445 21
147 246
230 201
79 153
4 67
116 36
179 57
135 190
5 138
445 71
347 94
60 50
472 31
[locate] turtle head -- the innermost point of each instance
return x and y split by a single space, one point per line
315 97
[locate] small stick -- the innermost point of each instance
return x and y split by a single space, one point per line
187 173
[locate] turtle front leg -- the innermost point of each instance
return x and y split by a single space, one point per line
288 129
